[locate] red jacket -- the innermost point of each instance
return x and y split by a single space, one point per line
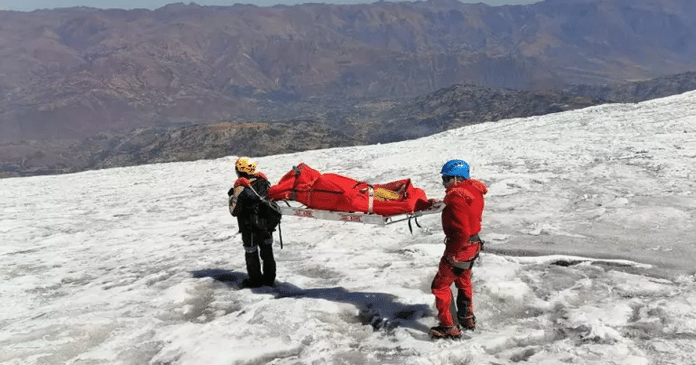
461 218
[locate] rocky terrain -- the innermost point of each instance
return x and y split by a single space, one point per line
633 92
77 72
323 123
460 105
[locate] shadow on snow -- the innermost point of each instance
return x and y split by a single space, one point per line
380 310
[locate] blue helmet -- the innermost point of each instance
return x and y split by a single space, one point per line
456 168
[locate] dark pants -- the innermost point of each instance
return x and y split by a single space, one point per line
258 246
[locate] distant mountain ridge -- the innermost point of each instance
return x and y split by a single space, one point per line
322 124
77 72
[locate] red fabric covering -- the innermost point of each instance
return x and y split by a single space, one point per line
339 193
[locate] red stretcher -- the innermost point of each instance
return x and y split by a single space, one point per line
336 197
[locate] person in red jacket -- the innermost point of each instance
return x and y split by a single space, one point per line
461 222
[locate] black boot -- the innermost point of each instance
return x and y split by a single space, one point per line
466 319
467 323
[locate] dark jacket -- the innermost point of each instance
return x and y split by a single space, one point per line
244 199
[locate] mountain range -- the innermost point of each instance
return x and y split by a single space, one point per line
319 124
92 79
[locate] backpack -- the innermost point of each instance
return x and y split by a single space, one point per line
269 214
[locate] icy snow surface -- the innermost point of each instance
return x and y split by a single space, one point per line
589 260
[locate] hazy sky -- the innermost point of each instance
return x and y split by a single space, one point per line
29 5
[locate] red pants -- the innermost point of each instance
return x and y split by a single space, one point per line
443 295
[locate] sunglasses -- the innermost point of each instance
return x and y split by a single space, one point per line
446 179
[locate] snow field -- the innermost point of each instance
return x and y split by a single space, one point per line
589 257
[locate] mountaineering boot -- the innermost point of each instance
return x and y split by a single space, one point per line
467 323
445 332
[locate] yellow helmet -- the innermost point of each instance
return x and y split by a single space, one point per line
245 165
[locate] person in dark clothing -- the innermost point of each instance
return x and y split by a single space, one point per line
244 199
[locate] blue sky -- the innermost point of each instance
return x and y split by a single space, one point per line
29 5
